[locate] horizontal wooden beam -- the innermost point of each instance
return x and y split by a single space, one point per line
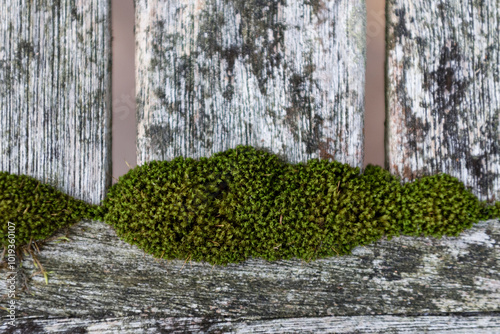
459 324
98 277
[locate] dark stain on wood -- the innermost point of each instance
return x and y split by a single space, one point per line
457 93
29 326
449 92
75 16
317 7
223 61
410 260
451 89
257 19
477 255
77 330
399 27
325 147
161 136
25 49
410 174
303 106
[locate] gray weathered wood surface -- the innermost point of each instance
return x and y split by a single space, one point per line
450 324
100 283
55 93
284 75
443 91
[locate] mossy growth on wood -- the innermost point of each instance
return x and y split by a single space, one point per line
246 202
35 210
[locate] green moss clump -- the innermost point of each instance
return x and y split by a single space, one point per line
197 209
495 211
489 211
439 205
36 209
245 203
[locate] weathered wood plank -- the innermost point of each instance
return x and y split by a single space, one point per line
443 91
55 93
456 324
98 277
284 75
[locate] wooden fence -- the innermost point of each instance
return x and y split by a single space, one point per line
284 75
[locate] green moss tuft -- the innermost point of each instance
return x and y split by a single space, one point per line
490 211
246 202
439 205
36 209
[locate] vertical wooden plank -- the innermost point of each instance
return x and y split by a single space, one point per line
443 91
55 93
284 75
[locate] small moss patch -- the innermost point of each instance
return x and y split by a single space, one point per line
37 210
246 202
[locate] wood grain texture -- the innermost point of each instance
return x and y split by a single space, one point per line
55 93
284 75
443 91
453 324
97 281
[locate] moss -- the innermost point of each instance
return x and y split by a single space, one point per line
439 205
246 202
36 209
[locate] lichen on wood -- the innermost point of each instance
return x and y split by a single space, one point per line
55 93
443 91
283 75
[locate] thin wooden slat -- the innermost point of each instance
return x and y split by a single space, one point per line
443 91
55 93
105 282
284 75
452 324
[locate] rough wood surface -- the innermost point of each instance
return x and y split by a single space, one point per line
55 93
443 91
284 75
453 324
97 281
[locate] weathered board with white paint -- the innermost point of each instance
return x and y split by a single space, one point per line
443 91
284 75
100 284
55 93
